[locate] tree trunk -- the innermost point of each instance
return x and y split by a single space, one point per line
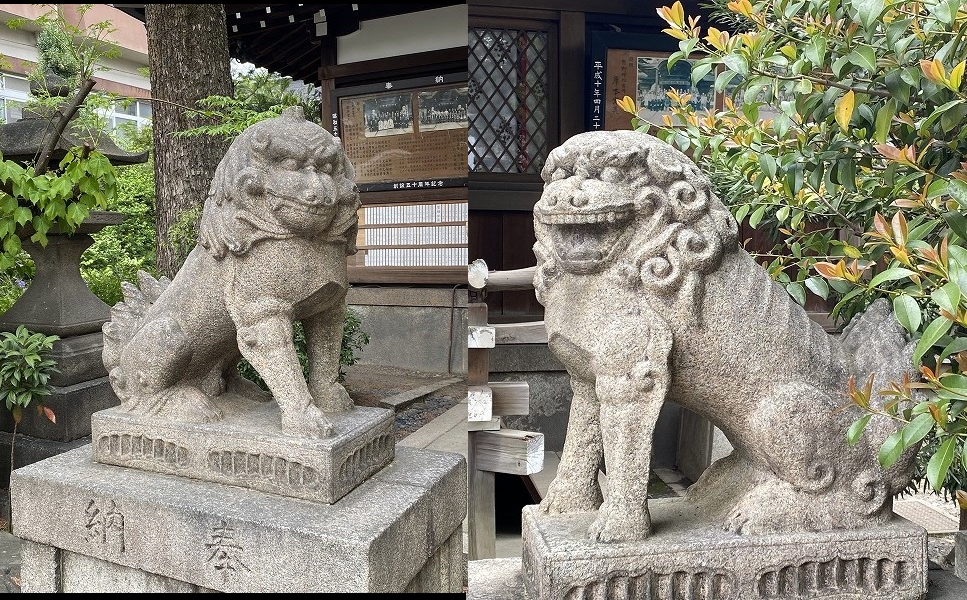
188 60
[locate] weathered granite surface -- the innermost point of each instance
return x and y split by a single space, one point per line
277 224
87 526
502 579
690 556
248 449
649 297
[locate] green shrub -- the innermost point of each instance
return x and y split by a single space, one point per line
844 134
353 340
15 280
120 251
25 370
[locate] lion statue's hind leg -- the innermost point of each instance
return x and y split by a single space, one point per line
797 473
181 402
149 376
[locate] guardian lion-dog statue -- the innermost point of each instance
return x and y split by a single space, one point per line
279 220
649 297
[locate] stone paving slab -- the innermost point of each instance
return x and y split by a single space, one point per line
407 398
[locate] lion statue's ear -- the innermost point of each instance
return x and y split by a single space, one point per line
345 223
225 222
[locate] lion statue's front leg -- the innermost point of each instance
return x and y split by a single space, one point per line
266 342
324 342
618 395
576 488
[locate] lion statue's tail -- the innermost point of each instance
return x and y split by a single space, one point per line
875 343
128 315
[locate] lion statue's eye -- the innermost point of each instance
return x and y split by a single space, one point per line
325 167
612 175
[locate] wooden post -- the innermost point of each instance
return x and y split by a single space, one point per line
481 509
491 448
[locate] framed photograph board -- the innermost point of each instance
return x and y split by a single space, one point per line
405 135
636 65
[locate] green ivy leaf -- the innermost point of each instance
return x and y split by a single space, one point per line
954 219
917 429
737 64
757 215
884 118
818 286
741 212
955 383
797 292
957 345
947 297
11 245
856 429
22 215
865 57
890 275
891 449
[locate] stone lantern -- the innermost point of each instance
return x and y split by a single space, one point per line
58 302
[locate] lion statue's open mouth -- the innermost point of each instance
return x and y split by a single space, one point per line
584 241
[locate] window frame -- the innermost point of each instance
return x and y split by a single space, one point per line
519 191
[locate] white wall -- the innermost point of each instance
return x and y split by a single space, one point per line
18 45
123 71
434 29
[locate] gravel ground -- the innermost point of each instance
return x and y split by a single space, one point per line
419 414
368 384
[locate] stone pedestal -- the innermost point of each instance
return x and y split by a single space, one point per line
247 449
687 557
91 527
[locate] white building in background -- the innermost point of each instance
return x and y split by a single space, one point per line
125 75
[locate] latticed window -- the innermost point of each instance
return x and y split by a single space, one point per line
508 107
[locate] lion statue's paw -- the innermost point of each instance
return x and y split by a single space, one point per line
332 398
776 506
566 496
309 422
615 525
184 403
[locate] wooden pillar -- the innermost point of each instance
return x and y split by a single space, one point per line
481 509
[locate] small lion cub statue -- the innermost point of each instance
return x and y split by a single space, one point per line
279 220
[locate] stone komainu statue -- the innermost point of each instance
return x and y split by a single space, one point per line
649 297
279 220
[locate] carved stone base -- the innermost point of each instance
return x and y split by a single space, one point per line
686 558
247 449
104 528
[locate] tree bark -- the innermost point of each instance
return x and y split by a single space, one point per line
188 60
